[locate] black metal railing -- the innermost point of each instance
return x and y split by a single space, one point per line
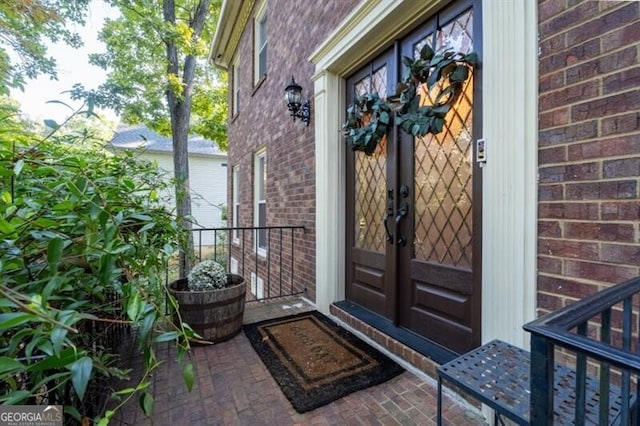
600 336
268 257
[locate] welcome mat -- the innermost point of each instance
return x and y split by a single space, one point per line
315 361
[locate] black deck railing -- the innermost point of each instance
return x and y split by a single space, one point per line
268 257
600 336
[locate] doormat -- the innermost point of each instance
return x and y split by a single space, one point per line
315 361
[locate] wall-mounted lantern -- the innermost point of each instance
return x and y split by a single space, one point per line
293 98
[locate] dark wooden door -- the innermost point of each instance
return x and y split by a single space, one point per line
427 278
368 180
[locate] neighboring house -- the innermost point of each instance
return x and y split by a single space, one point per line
552 216
207 172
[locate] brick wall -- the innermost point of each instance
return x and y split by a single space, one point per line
294 30
589 148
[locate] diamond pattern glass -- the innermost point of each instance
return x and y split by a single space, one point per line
362 86
457 33
443 171
379 81
371 179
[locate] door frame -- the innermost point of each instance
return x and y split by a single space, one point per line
509 198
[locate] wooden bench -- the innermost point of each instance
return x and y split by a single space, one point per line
497 374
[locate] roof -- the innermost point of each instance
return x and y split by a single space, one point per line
139 136
234 15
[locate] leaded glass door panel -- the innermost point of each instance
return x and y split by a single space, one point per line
367 185
439 296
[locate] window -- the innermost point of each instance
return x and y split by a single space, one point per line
235 87
260 38
235 181
260 203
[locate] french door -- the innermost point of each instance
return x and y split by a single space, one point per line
413 207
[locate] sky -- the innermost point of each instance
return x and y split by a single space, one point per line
73 67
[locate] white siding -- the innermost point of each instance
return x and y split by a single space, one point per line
208 179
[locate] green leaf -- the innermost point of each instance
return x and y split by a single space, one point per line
108 415
445 92
135 306
436 59
438 125
55 284
147 325
15 397
80 375
73 411
125 391
57 337
472 58
459 74
55 101
407 61
167 336
44 222
426 53
14 319
66 357
17 168
52 124
146 227
6 227
107 266
9 366
81 184
146 403
128 183
188 375
54 253
63 206
441 110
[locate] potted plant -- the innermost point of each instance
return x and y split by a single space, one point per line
210 301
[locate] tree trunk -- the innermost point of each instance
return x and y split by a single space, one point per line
180 111
180 134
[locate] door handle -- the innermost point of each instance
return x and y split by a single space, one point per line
402 211
386 228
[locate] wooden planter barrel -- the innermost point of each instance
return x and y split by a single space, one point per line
216 315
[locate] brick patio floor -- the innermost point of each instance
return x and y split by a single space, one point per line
233 387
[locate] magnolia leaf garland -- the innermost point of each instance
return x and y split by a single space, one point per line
366 137
430 68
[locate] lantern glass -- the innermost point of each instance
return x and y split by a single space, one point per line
293 95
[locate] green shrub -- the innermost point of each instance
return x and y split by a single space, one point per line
84 245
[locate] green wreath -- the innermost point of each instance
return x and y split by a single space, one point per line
366 137
429 68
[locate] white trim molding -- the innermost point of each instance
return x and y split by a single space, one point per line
509 85
330 190
260 168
